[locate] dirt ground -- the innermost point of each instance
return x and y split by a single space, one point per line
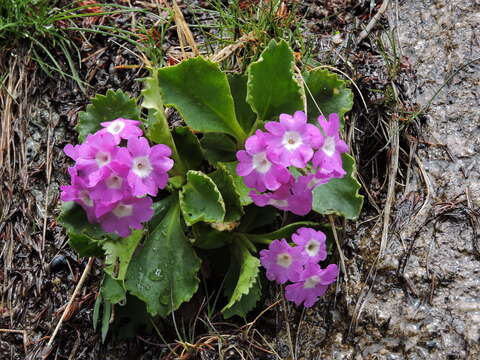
412 289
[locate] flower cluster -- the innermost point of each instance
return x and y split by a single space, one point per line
291 143
299 264
112 182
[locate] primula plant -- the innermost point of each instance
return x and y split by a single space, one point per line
243 184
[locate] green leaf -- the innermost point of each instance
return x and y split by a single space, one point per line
272 87
73 218
118 254
96 311
85 245
282 233
112 290
164 272
340 196
242 189
108 107
157 129
247 302
84 237
247 275
218 147
131 319
151 93
199 90
188 146
224 181
107 312
256 217
201 200
245 115
208 238
329 92
160 209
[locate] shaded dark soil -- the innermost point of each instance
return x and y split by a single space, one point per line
422 299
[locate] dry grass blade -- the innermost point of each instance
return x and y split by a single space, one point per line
425 206
372 22
303 85
392 177
72 299
311 96
250 324
48 175
23 332
339 248
268 344
230 49
183 31
7 99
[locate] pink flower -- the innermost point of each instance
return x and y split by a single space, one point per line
79 192
126 214
312 180
278 198
312 243
110 184
97 151
149 166
328 158
282 261
313 283
294 196
301 199
291 140
256 168
121 129
72 151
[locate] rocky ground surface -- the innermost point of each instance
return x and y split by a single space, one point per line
420 297
412 290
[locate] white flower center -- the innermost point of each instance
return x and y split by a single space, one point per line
102 158
329 146
142 167
291 140
312 247
116 127
261 163
114 182
85 197
278 203
284 260
123 210
311 282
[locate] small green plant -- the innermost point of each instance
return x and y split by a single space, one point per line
260 21
45 28
201 190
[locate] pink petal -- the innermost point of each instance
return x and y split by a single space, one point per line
275 128
138 146
244 168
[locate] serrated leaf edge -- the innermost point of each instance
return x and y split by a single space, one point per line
241 293
93 101
219 197
261 59
343 85
230 176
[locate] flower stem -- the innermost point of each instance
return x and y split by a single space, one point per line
257 239
247 242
